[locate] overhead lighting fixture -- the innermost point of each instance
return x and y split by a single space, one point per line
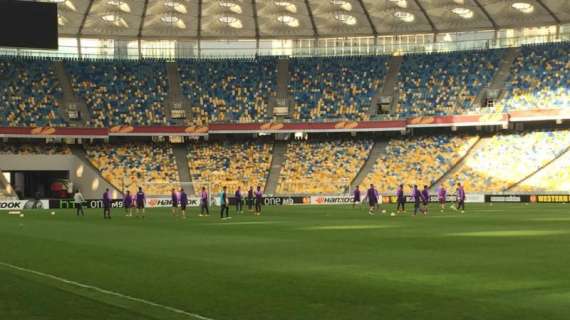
55 1
342 4
345 18
61 20
178 7
230 21
447 37
404 16
123 6
400 3
173 20
523 7
115 20
232 6
291 7
289 21
463 12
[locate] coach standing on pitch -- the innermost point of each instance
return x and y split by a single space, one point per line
78 199
106 204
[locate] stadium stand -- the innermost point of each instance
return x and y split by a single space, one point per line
29 93
322 167
444 83
236 90
231 164
555 177
32 149
132 165
121 92
539 79
502 160
335 88
417 160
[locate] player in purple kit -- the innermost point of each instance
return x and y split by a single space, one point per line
106 204
417 196
460 198
250 199
258 199
356 197
238 198
372 196
441 196
174 198
128 204
401 199
183 202
204 203
140 199
425 199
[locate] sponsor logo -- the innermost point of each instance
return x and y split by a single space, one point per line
43 131
271 126
505 199
331 199
533 198
122 129
23 204
553 198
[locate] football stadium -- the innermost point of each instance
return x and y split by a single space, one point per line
284 159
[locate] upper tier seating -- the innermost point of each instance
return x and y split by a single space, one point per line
444 83
132 165
335 88
504 159
29 93
417 160
121 92
322 167
235 90
34 149
217 164
539 79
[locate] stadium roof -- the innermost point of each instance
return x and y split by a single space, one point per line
271 19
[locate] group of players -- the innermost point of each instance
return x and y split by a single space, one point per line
420 199
179 201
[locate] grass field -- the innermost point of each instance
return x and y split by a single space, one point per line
321 262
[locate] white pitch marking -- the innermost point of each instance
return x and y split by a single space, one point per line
105 291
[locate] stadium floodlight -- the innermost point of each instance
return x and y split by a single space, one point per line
231 21
291 7
179 7
523 7
400 3
345 18
342 4
464 13
61 20
232 6
288 21
404 16
121 5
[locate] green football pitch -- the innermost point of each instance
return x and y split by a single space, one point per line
294 262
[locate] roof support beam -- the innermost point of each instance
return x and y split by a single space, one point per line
486 13
82 25
254 9
310 11
199 29
372 26
433 28
143 16
550 12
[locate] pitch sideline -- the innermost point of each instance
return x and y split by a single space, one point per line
105 291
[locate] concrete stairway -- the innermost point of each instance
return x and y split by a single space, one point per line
390 83
500 77
6 190
176 100
70 101
459 165
180 153
277 159
282 97
80 154
377 150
